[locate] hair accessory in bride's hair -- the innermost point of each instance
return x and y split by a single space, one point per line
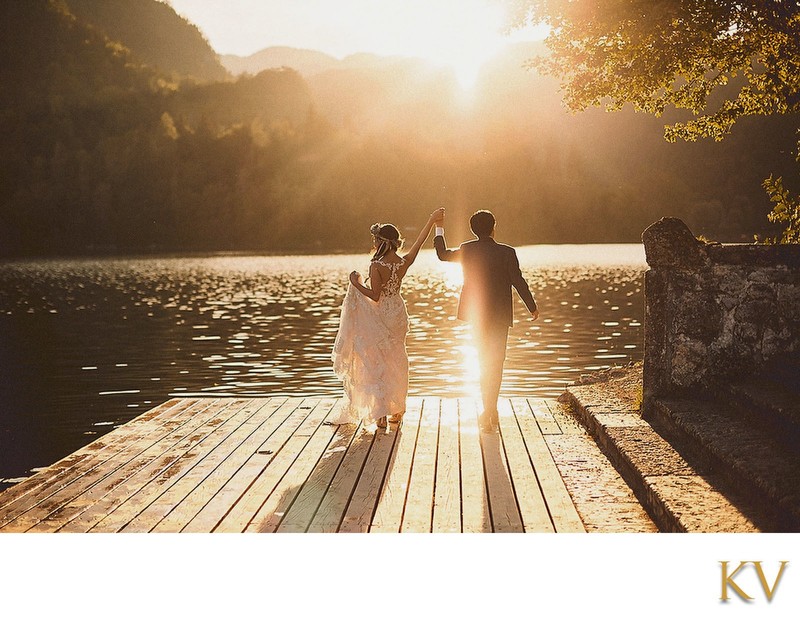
375 230
384 242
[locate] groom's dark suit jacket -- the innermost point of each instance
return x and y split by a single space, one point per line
490 270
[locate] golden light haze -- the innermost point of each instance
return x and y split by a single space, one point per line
460 34
188 149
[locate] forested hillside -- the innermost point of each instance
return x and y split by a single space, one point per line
102 153
154 34
109 144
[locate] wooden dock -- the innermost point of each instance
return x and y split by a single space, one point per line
276 465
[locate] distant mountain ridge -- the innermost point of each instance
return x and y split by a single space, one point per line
305 61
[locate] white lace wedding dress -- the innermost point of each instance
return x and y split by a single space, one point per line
369 353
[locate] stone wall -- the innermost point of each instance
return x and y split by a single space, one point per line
714 312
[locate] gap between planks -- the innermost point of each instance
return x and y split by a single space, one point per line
276 465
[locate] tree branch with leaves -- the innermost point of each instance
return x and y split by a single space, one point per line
656 54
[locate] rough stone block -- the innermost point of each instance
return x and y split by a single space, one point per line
714 310
670 243
697 505
648 452
619 419
689 363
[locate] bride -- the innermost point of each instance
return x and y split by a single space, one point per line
369 353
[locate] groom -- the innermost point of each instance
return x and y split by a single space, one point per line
490 270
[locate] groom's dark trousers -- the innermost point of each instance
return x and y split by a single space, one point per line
490 269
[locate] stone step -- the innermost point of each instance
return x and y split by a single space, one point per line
772 396
760 464
680 491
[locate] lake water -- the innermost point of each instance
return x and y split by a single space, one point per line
86 345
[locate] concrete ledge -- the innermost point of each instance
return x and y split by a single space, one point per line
762 465
787 255
778 405
679 495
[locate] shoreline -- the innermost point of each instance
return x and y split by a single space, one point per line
188 254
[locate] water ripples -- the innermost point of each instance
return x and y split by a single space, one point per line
88 344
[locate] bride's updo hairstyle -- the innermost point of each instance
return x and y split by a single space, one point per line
387 239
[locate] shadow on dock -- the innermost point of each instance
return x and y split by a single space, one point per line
278 465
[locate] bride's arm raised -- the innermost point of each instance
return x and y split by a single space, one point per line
411 255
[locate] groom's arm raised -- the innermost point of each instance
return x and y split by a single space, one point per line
441 247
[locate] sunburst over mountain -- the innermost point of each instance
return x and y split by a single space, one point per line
123 130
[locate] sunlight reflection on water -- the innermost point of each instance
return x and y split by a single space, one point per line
88 344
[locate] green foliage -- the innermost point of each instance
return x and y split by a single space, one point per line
674 52
787 210
638 398
717 61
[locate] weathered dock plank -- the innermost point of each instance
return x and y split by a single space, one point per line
278 454
531 502
159 471
548 425
474 498
302 512
360 509
241 470
29 493
301 452
389 512
337 496
419 501
502 500
562 509
447 498
276 465
157 480
189 494
178 479
173 437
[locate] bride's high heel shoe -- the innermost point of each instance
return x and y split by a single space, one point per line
396 418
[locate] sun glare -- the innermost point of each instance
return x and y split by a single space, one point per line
467 56
467 66
462 35
454 277
469 363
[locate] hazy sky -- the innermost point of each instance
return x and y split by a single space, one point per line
461 33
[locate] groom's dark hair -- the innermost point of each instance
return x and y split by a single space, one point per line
482 223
